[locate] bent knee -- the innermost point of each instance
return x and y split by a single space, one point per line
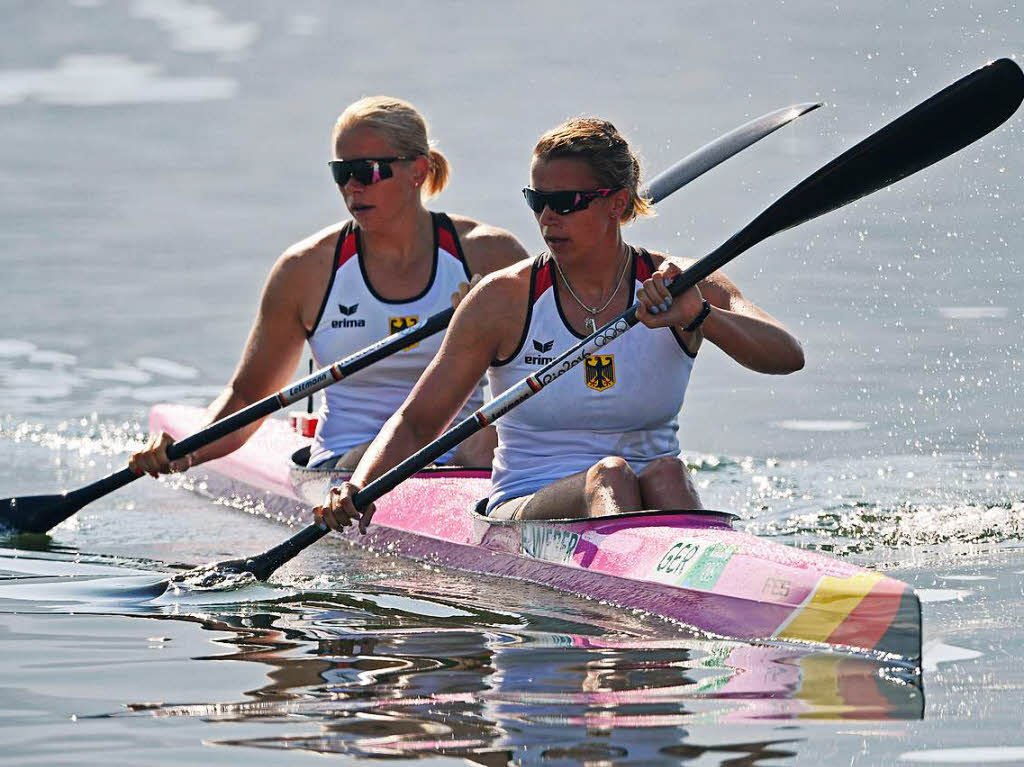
611 470
664 469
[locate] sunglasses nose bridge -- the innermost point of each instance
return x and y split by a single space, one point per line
547 212
353 182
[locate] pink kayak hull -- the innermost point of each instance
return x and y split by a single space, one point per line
693 567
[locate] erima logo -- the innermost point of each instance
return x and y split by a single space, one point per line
348 311
544 346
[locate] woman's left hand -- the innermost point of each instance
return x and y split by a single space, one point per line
659 309
464 288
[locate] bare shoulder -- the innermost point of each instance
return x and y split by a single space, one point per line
296 282
510 282
309 253
487 248
305 263
497 306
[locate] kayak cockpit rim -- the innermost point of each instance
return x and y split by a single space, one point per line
300 459
721 518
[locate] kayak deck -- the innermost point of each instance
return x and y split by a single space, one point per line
689 566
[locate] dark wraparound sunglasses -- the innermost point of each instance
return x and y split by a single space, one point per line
367 170
568 201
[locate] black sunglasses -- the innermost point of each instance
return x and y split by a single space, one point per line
564 202
368 170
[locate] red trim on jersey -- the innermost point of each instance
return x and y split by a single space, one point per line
543 280
446 241
347 249
644 268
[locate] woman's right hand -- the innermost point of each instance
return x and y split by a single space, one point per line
338 510
153 459
464 288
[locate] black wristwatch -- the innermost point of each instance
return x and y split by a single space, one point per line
699 319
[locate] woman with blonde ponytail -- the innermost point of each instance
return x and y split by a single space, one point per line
603 438
393 264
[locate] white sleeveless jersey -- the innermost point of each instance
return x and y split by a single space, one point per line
354 316
624 402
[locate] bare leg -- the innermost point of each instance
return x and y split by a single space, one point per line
665 483
478 450
607 487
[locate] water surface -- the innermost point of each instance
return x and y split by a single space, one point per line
158 155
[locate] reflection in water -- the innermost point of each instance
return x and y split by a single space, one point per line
383 678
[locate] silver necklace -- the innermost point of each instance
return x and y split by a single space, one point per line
591 321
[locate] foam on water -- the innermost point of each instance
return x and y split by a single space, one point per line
165 367
935 654
932 596
973 312
46 357
972 755
121 373
38 380
196 27
92 80
14 347
821 425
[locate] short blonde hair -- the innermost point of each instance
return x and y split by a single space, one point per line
404 127
605 150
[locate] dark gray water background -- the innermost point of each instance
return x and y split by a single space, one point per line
155 158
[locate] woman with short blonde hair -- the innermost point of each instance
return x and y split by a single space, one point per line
392 265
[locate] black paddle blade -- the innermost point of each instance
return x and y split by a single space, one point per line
947 122
37 513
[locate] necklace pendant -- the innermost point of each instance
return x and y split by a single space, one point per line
591 324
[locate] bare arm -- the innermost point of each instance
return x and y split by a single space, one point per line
740 328
469 346
746 332
272 352
268 361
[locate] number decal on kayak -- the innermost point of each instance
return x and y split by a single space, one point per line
549 544
677 558
708 568
692 564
